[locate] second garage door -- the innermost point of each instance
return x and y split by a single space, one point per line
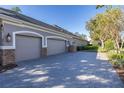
56 46
27 47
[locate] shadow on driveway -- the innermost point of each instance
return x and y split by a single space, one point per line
79 70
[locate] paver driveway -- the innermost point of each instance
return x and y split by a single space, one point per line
81 69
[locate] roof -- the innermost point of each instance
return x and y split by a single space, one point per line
20 16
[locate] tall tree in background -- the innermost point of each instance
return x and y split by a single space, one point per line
16 9
82 36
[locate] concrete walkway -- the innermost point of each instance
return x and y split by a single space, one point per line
80 69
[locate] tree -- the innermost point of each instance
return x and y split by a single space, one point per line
107 25
82 36
97 28
122 39
77 33
102 6
99 6
116 25
16 9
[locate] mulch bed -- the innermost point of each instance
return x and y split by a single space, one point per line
120 73
7 67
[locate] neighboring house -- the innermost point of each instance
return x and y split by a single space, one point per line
25 38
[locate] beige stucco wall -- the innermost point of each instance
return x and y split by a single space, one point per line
0 33
9 28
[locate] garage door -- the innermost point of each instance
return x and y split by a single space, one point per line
55 46
27 47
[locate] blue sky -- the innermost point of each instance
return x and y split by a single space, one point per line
72 18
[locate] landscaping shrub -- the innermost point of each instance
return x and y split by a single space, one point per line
88 47
116 59
102 49
118 63
113 56
109 45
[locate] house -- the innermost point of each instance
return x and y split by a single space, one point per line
25 38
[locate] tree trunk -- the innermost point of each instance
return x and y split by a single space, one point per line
122 44
117 46
102 43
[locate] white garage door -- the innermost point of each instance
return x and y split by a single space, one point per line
55 46
27 48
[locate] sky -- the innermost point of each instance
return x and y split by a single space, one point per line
72 18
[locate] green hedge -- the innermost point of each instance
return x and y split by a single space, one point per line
88 47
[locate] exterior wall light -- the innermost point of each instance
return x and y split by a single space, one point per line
8 37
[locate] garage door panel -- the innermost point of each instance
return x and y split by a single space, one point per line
27 48
55 46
